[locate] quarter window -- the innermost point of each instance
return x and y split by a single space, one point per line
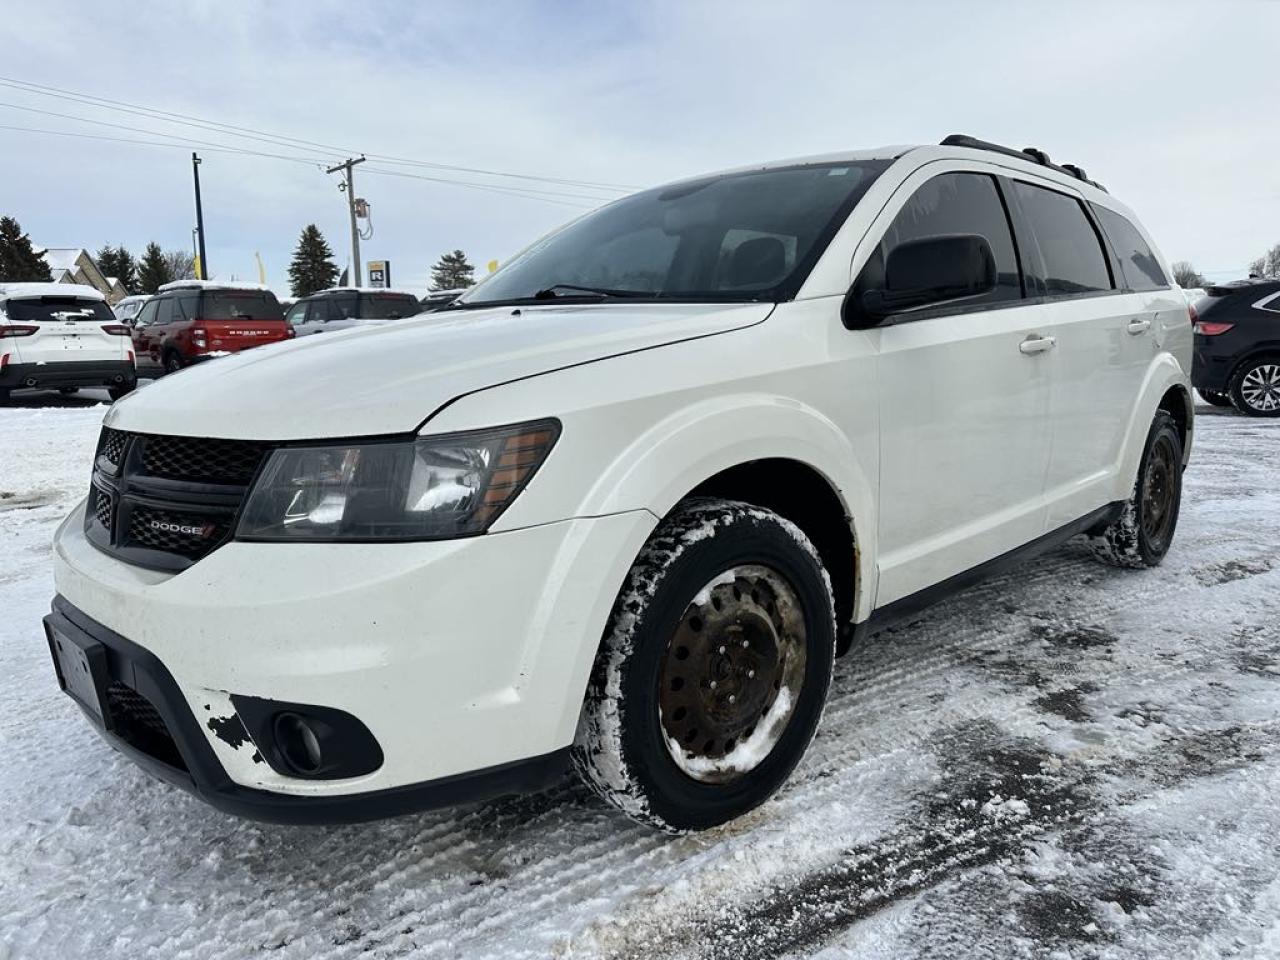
954 203
1071 253
1141 269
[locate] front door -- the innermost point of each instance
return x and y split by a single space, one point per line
964 403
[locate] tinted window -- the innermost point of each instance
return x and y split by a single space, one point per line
240 305
669 242
186 306
164 310
59 310
296 313
1141 269
954 203
341 307
388 306
1071 254
147 315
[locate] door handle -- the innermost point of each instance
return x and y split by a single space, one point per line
1139 325
1037 344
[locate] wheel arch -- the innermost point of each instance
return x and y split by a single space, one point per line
1166 387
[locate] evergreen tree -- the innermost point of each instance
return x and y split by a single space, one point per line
119 263
153 270
452 272
19 263
312 267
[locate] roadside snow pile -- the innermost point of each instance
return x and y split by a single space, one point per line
1069 761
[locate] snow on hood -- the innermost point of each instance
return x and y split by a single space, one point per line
389 379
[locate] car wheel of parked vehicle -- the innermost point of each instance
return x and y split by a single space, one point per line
714 668
172 362
1215 398
4 396
126 388
1255 387
1141 535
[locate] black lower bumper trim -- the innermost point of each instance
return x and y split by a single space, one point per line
204 776
91 373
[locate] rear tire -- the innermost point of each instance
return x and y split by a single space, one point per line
1255 387
714 668
1214 398
1141 535
172 362
115 393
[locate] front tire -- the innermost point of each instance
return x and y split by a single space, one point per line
1255 387
1214 398
714 668
126 388
1141 535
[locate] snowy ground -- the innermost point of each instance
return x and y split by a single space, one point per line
1072 761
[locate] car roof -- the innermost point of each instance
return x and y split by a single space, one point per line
330 291
31 291
213 285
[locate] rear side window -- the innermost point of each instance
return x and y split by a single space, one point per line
1070 249
240 305
342 307
59 310
1141 269
388 306
955 203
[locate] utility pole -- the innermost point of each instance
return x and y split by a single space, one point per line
203 273
350 187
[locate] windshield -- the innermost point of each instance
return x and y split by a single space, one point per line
742 236
59 310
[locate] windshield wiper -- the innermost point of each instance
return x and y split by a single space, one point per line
549 293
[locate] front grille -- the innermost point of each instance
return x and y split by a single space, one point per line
165 502
187 534
111 446
138 723
203 461
102 508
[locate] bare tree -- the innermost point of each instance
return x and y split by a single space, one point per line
1186 276
182 265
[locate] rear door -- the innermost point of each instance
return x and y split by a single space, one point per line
67 330
964 404
1102 342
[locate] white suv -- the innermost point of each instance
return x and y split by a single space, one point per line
628 497
62 336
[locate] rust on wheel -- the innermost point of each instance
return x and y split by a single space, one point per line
732 674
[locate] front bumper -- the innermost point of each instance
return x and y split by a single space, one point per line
465 659
88 373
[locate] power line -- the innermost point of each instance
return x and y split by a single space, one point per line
226 129
525 193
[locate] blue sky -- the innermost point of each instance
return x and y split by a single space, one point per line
1139 94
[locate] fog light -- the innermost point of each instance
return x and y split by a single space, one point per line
297 742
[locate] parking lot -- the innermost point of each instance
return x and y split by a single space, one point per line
1067 758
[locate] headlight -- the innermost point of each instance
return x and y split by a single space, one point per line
433 488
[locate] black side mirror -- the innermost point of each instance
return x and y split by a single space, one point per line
927 272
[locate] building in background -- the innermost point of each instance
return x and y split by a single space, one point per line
75 265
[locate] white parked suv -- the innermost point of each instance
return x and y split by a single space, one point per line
624 502
62 336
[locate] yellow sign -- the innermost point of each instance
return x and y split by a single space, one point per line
493 265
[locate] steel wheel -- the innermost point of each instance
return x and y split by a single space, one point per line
732 674
1160 493
1260 387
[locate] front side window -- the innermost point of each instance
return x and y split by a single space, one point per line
1140 267
734 237
948 205
1070 250
147 315
296 313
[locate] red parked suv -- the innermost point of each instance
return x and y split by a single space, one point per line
193 320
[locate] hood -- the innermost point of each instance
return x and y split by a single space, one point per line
389 379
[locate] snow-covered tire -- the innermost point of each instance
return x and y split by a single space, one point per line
768 607
1141 535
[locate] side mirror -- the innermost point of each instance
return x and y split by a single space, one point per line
927 272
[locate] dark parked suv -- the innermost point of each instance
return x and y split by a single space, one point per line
1237 346
345 307
193 320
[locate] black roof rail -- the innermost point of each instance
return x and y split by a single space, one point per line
1032 154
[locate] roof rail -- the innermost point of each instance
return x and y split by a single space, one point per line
1032 154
